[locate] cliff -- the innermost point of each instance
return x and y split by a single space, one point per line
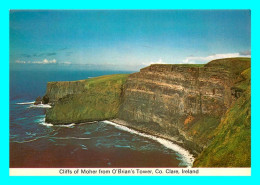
183 103
231 146
196 106
85 100
57 90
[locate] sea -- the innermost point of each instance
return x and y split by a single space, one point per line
37 144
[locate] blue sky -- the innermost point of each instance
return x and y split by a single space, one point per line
125 40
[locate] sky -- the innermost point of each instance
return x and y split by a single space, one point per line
125 39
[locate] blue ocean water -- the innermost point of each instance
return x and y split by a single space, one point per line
33 143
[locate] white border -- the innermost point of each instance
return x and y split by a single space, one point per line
129 171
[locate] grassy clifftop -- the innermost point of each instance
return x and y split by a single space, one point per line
231 146
234 65
99 100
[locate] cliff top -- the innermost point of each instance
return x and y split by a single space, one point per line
97 79
234 65
180 65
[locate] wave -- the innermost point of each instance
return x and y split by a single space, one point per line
70 138
27 141
42 122
84 147
34 106
186 157
30 134
25 103
120 146
40 106
46 124
70 125
50 137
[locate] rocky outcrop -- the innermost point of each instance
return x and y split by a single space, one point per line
38 100
45 99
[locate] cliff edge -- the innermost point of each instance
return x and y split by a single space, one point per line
196 106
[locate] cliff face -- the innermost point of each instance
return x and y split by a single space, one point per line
57 90
86 100
231 146
181 102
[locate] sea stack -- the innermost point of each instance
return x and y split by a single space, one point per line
38 101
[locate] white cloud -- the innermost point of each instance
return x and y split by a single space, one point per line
45 61
160 61
194 60
20 62
66 63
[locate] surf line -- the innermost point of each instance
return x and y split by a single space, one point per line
186 156
25 103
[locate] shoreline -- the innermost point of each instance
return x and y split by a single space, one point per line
184 145
187 156
184 152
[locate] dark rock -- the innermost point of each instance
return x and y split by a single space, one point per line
38 100
45 99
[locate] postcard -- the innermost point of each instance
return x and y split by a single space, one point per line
130 92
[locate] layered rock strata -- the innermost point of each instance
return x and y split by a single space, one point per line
177 101
182 103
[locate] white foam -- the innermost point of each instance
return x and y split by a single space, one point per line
42 122
34 106
25 103
70 138
30 134
185 155
46 124
70 125
40 106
